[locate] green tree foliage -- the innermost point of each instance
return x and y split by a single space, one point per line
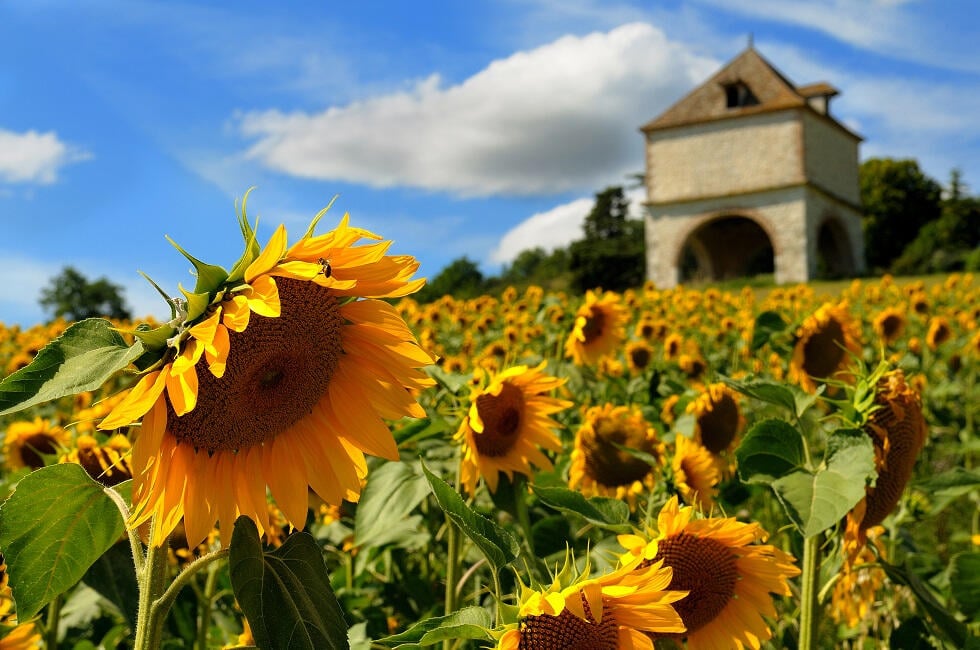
611 255
945 245
539 267
461 279
898 199
71 295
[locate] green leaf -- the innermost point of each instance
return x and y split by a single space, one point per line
943 622
605 512
499 546
285 594
85 355
392 492
466 623
114 577
817 500
964 579
957 480
770 449
54 526
790 397
252 248
767 324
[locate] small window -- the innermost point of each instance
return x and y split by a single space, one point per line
738 95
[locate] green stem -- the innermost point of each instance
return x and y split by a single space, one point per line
204 613
809 593
151 584
134 541
54 614
520 507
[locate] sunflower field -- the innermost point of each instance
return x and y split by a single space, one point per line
303 456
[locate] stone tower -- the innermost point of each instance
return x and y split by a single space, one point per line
750 174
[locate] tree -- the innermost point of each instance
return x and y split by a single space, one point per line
460 279
898 199
72 296
537 266
611 255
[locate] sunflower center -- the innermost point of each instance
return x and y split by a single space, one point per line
706 568
891 327
719 425
824 350
277 370
36 446
569 632
640 357
594 324
501 415
607 464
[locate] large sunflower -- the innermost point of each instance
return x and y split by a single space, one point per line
728 575
508 419
599 464
825 343
598 330
276 375
613 612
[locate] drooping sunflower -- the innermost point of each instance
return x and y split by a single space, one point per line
509 418
825 343
615 611
899 431
27 442
599 328
278 374
729 575
599 467
859 582
695 472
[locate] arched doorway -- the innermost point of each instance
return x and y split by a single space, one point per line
724 248
834 257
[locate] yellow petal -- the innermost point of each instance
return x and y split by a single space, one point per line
269 257
264 297
138 401
235 313
217 352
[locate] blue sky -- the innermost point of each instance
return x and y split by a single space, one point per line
453 128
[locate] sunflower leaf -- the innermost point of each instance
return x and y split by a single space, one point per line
498 545
465 623
770 450
817 499
85 355
285 594
794 399
392 492
767 325
605 512
943 621
964 579
54 526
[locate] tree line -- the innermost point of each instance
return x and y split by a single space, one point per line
912 225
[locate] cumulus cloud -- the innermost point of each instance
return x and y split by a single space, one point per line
560 117
554 228
33 157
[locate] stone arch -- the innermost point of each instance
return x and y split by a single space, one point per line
834 256
725 246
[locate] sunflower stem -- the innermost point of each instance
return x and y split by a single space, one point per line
151 584
204 614
54 615
520 506
809 592
134 540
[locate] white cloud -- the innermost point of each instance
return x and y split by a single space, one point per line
555 228
563 116
33 157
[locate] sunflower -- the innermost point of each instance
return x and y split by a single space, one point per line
824 344
600 465
696 473
277 374
508 419
859 582
598 330
727 573
889 324
27 442
613 612
718 418
108 464
639 354
939 332
898 430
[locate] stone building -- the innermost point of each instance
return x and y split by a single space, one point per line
750 174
